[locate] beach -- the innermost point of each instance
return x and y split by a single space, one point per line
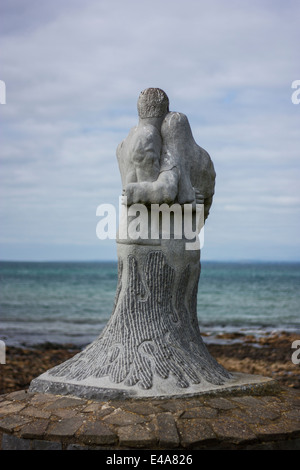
268 355
248 315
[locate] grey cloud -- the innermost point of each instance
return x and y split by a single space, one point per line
74 70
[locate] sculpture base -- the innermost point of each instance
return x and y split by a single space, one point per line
152 344
101 389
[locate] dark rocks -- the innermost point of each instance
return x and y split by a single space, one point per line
34 429
203 412
167 433
195 433
98 433
234 431
140 436
123 418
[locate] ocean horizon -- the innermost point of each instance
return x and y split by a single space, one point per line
70 302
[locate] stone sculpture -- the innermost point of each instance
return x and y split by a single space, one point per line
152 345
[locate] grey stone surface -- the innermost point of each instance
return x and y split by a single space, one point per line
235 431
202 422
34 429
98 433
167 431
10 442
77 447
221 403
137 436
45 445
123 418
66 427
89 389
36 412
203 412
6 409
195 432
13 421
65 402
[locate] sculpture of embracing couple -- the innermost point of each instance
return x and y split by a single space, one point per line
152 345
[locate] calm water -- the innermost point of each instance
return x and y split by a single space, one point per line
72 302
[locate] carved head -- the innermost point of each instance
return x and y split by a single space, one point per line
153 102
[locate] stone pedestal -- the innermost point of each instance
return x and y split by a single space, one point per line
262 417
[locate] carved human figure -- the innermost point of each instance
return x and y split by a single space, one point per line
160 161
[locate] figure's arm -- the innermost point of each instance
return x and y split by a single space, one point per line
207 201
207 205
164 189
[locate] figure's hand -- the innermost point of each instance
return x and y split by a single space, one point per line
139 193
129 192
164 189
123 198
198 197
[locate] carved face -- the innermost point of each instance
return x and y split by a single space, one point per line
153 102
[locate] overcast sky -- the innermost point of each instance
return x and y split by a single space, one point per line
73 72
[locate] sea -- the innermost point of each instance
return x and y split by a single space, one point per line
69 303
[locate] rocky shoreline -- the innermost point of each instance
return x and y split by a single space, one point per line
270 355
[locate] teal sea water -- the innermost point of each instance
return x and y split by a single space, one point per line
71 302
